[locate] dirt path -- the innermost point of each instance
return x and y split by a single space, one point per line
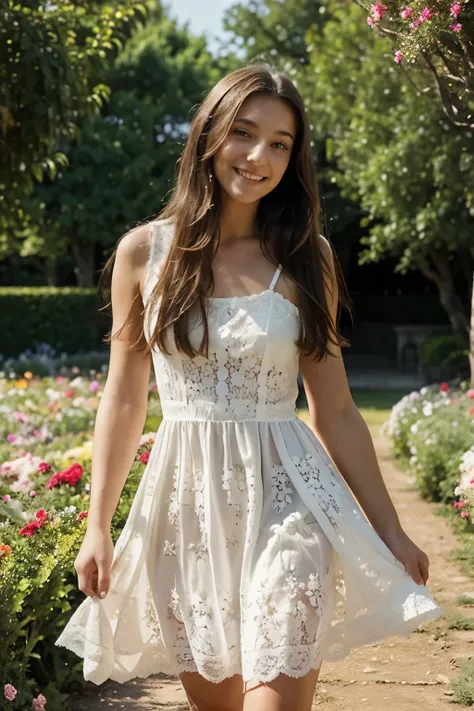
399 674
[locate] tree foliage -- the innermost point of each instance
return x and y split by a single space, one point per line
122 165
48 54
395 152
439 37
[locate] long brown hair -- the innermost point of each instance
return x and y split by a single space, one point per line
287 219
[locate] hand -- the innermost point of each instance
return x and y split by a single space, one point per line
94 561
416 562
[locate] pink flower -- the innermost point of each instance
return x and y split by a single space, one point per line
370 22
43 467
414 24
6 498
464 514
94 386
20 416
444 387
458 504
472 481
378 10
425 15
470 393
11 438
10 692
455 9
456 28
58 379
406 13
398 56
38 703
32 492
69 393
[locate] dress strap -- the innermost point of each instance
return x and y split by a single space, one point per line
275 278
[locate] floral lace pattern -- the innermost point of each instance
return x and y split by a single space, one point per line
327 497
282 488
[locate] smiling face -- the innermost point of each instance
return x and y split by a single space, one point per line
256 152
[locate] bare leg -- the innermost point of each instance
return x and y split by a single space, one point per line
204 695
283 694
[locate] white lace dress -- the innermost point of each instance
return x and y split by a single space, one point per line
245 551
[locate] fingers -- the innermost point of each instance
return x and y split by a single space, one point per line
418 568
87 579
103 581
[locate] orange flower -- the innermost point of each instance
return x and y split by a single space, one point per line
28 375
4 550
21 384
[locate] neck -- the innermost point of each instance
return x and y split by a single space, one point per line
238 221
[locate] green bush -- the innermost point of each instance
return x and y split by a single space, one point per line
447 353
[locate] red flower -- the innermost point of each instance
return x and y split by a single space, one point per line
43 467
29 529
82 515
145 457
471 410
69 393
41 515
444 387
69 476
40 519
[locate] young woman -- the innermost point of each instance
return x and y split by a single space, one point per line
245 560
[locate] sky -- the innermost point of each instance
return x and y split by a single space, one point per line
205 16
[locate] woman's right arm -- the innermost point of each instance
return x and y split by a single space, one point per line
120 417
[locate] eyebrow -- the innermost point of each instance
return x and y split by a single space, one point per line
249 122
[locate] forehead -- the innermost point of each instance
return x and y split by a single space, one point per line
268 111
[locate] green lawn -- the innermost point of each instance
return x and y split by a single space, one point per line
374 406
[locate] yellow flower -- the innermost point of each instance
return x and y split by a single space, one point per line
21 384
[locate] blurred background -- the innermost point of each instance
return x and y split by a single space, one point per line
95 110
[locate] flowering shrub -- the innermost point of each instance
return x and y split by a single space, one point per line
45 474
433 433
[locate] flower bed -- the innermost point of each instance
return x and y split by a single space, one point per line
432 432
46 446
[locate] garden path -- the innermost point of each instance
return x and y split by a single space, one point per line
399 674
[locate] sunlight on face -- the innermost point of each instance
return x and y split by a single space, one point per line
256 152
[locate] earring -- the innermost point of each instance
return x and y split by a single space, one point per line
211 175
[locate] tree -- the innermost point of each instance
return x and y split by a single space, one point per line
396 153
440 39
48 53
122 165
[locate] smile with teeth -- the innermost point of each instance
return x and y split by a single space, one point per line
250 176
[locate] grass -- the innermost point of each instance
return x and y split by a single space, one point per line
374 406
465 600
463 687
458 621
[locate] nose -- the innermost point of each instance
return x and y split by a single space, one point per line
257 153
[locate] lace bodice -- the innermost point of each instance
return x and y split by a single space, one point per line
252 368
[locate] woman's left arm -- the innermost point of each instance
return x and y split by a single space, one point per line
344 434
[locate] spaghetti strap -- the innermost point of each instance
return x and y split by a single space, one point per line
275 278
